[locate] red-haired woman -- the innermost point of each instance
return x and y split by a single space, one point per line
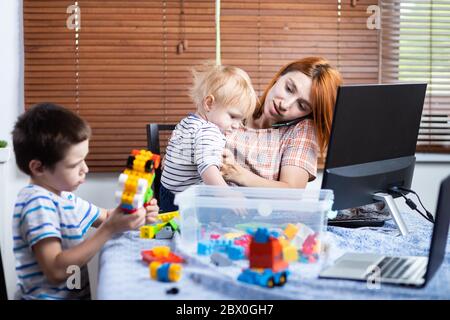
279 145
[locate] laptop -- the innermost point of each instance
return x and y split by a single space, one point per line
413 271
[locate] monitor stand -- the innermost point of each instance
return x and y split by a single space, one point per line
395 213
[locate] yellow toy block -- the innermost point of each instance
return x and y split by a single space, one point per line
161 252
147 232
283 242
290 231
166 217
175 272
153 268
233 235
290 254
171 273
136 180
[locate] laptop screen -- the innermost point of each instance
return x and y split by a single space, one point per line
440 230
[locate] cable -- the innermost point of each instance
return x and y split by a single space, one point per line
429 215
411 204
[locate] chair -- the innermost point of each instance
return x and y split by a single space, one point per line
153 130
3 293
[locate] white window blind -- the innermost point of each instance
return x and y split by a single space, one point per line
416 47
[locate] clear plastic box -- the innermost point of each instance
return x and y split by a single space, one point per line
211 212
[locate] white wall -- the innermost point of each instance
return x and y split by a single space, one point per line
99 188
11 86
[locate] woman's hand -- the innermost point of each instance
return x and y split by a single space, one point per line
233 173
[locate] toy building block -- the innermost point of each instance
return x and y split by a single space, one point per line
264 277
310 249
290 253
283 241
167 216
136 181
161 254
311 245
204 248
174 225
267 267
243 241
165 272
266 251
164 230
221 245
147 232
261 235
162 251
234 235
220 259
165 233
235 249
235 252
303 232
290 231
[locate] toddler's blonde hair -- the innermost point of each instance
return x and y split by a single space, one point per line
230 87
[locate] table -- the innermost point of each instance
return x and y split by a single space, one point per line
123 275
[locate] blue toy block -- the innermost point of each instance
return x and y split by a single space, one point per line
163 272
236 252
261 235
127 206
221 245
264 278
204 248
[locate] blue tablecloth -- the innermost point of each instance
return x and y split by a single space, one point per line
123 275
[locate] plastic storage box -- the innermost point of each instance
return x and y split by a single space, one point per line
212 217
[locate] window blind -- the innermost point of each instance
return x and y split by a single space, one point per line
416 47
127 70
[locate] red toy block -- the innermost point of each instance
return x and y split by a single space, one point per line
149 256
267 255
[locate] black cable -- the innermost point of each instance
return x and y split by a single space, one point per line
411 203
429 215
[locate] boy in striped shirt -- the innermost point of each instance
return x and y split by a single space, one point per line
223 96
50 222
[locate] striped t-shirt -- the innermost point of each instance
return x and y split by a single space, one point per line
40 214
195 145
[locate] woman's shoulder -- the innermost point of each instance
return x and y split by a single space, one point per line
305 126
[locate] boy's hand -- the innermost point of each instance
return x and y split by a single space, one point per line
118 221
151 212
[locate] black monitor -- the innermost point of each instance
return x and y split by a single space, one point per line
373 143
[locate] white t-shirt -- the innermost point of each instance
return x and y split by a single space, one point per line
40 214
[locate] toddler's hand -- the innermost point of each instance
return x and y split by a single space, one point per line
118 221
151 212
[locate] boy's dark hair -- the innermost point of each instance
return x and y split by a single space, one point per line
45 132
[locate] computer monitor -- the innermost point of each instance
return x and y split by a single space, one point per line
373 143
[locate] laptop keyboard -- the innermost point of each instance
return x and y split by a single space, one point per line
394 268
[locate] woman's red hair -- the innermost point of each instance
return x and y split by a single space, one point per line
325 81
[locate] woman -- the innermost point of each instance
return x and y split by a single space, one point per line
279 145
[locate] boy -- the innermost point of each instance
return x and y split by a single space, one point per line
50 223
223 96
